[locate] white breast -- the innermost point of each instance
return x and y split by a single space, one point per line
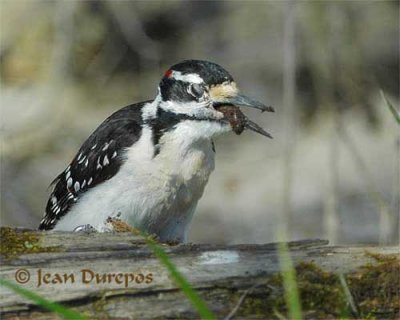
156 194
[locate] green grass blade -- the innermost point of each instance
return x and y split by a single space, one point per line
395 112
292 296
39 300
187 289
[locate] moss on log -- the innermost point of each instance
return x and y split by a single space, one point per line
115 275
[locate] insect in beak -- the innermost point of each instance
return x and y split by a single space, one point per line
229 106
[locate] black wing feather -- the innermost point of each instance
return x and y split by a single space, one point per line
98 160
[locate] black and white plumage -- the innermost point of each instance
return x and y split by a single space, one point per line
148 163
98 160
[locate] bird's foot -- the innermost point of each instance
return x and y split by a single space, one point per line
88 228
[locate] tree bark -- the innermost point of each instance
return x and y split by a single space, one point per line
241 281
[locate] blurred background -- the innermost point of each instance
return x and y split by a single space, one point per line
333 168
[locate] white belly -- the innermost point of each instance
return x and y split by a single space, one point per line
155 194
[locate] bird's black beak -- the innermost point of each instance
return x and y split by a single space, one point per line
244 101
241 100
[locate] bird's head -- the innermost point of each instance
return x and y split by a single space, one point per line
205 92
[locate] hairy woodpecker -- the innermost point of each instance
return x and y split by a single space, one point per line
148 163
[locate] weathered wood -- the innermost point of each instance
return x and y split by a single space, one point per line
221 274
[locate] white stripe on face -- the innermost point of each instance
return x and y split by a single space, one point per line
189 77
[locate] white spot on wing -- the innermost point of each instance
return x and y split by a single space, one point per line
90 181
98 167
68 175
114 155
105 147
105 161
69 182
86 162
83 184
76 186
83 159
94 146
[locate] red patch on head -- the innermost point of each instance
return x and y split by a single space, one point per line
168 73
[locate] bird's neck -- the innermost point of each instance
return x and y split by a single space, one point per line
178 131
186 151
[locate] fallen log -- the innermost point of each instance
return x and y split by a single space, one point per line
116 275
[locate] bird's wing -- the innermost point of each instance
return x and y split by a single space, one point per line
98 160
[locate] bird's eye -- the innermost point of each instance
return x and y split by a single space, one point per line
196 90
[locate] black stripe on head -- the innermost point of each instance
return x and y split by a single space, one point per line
210 72
175 90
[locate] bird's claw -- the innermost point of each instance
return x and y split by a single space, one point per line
88 228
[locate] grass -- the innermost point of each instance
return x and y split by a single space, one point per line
288 272
187 289
366 292
393 110
160 254
181 281
66 313
185 286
